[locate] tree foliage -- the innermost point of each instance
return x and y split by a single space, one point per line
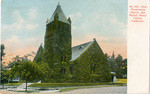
18 59
4 77
28 71
117 65
2 51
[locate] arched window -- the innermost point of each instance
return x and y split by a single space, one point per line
93 68
63 71
61 58
64 59
71 70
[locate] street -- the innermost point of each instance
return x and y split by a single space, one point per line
102 90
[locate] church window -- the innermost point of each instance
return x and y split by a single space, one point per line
63 71
64 59
81 47
61 58
93 68
71 72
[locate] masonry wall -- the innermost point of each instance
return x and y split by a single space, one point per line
57 43
91 66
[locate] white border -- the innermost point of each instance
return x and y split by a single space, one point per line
138 52
0 41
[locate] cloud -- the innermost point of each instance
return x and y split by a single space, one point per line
78 14
109 32
17 46
17 25
31 26
104 25
16 35
12 43
75 17
20 25
33 14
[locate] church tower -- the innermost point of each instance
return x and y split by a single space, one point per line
57 41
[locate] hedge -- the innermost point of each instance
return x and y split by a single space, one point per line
69 84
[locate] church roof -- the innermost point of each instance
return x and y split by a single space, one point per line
61 15
79 49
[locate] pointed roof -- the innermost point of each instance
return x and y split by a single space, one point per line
113 55
38 56
79 49
61 15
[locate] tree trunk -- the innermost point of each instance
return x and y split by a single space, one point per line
26 86
3 86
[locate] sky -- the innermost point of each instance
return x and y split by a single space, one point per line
24 23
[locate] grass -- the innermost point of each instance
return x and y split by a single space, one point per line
70 84
121 80
13 84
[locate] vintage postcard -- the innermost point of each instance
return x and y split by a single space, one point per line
67 46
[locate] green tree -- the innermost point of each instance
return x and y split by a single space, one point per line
119 60
2 76
17 60
124 66
119 71
46 71
2 51
28 71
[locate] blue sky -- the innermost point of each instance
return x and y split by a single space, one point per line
24 22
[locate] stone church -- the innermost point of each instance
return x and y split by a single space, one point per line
87 62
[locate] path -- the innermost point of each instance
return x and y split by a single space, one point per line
23 86
102 90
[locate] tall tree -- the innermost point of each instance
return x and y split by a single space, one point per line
124 66
1 65
119 60
119 71
2 51
113 55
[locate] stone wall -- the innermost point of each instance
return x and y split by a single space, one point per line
91 66
57 43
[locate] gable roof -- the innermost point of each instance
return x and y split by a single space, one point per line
79 49
61 15
39 54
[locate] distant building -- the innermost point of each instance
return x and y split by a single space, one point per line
14 79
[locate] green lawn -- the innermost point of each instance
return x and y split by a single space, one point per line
70 84
13 84
121 80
